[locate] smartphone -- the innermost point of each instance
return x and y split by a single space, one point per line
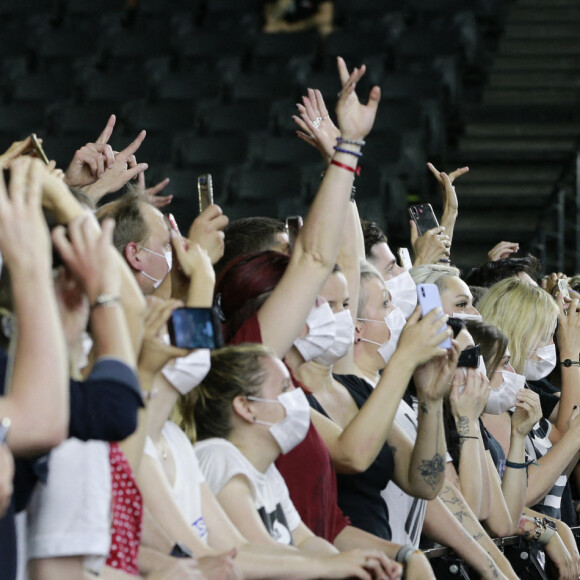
469 357
4 427
173 225
429 298
204 191
38 148
424 217
293 226
405 258
563 287
195 328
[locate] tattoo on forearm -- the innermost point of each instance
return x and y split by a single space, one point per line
492 567
424 408
478 536
463 425
432 469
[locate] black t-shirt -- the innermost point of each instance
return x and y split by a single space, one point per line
359 495
547 393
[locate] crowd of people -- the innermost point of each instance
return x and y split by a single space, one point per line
334 436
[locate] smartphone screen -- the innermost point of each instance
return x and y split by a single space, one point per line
563 287
405 258
424 217
195 328
204 191
429 298
38 148
293 225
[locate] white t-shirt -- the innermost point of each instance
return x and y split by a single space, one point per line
71 514
220 460
188 475
406 513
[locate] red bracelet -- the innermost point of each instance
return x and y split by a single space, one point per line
355 170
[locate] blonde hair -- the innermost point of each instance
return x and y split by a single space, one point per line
437 274
235 370
367 273
526 314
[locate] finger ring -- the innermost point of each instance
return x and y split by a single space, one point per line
326 117
316 122
126 166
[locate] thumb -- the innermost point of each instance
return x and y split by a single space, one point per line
414 234
414 318
374 98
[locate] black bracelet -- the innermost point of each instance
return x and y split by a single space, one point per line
468 437
568 363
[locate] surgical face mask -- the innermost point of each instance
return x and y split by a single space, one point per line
464 316
403 293
395 322
188 371
504 397
342 341
321 333
290 431
168 257
534 370
481 366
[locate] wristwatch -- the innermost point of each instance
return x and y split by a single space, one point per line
550 528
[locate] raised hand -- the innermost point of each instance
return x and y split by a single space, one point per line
124 169
317 128
528 411
502 250
90 161
151 192
467 406
207 231
355 120
90 255
155 352
434 379
15 150
24 237
446 184
419 342
430 248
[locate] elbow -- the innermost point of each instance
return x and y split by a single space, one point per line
349 464
500 529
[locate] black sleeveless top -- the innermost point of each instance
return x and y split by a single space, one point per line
359 495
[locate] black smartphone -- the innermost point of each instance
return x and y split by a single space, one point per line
204 191
4 427
38 148
424 217
469 357
293 225
195 328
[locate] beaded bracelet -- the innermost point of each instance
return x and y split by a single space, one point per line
360 143
355 170
341 150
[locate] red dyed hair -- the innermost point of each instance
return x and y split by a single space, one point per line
245 284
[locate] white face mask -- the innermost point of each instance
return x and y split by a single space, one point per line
534 370
290 431
342 341
464 316
321 332
480 369
403 293
168 257
504 397
481 366
188 371
395 322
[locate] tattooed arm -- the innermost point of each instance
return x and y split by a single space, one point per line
455 502
442 527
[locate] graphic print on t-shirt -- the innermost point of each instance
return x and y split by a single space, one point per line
276 524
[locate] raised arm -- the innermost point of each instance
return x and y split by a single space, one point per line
316 247
37 394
